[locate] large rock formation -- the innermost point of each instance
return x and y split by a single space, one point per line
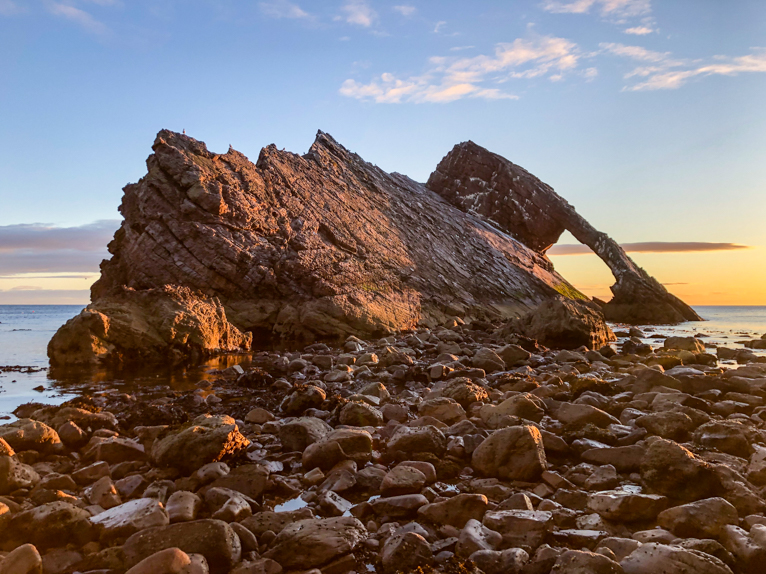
321 245
479 181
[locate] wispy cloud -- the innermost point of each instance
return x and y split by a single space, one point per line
439 25
40 248
405 10
607 8
8 8
78 16
451 78
652 247
282 9
662 72
359 13
640 30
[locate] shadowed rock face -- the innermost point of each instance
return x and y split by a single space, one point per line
320 245
479 181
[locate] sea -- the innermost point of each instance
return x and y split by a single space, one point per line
25 375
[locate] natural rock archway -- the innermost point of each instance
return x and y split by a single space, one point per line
478 181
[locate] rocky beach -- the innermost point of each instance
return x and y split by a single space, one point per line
416 389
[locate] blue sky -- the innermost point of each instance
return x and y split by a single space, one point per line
648 116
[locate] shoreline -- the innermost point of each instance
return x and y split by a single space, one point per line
382 441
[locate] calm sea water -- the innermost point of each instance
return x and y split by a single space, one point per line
26 329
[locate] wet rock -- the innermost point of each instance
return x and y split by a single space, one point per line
52 524
183 506
262 522
652 558
114 450
297 434
671 425
27 434
360 414
103 493
443 409
214 539
691 344
248 479
701 519
671 470
130 517
207 439
457 510
525 405
410 440
23 560
566 324
749 550
303 398
15 475
168 561
510 561
464 391
583 562
402 506
402 480
337 446
405 552
583 414
475 537
513 453
627 507
520 527
311 543
259 416
488 360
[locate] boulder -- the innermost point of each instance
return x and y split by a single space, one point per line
700 519
27 434
310 543
214 539
23 560
405 552
162 324
457 510
337 446
622 506
566 324
670 469
15 475
584 562
691 344
359 414
53 524
130 517
652 558
512 453
207 439
297 434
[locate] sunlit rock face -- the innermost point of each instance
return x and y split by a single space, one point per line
302 247
481 182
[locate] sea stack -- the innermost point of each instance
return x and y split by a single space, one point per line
215 251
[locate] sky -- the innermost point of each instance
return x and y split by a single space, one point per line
647 116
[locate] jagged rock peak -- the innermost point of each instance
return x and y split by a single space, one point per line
320 245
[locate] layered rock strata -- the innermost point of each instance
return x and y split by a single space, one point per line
320 245
479 181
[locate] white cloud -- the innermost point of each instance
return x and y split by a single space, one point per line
661 72
359 12
460 48
8 8
78 16
405 10
639 30
608 8
451 78
439 25
282 9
